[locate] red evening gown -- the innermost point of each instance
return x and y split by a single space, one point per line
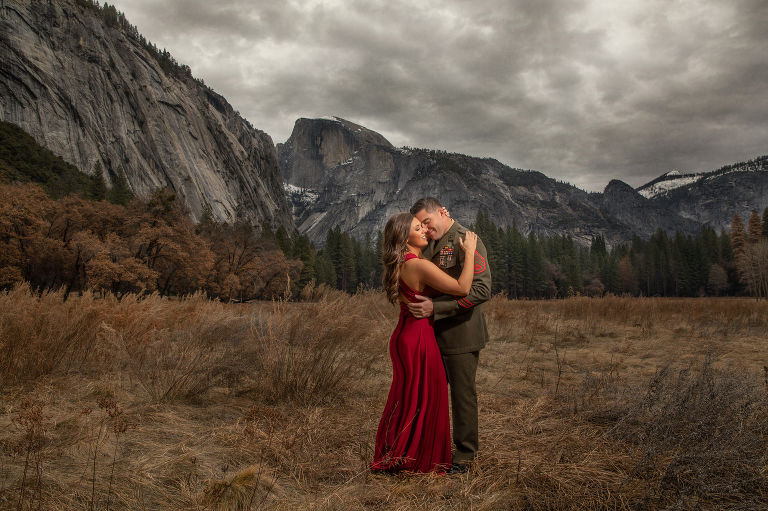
414 431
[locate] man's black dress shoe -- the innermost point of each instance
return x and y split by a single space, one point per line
458 468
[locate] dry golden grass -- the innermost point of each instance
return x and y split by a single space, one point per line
151 403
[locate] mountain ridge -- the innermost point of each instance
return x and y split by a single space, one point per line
334 178
326 192
679 179
713 197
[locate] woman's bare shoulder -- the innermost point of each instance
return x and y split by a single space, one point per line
417 262
421 265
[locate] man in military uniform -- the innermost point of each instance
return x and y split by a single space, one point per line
459 322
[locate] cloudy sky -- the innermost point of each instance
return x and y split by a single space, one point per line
584 91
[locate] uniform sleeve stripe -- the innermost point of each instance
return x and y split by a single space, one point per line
479 262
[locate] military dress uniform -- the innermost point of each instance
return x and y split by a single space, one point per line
461 333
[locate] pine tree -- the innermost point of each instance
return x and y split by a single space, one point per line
534 282
120 193
598 254
284 241
514 246
738 236
642 271
710 247
726 248
302 249
489 234
609 273
340 250
687 263
98 188
367 263
324 270
348 264
500 278
660 264
332 251
572 267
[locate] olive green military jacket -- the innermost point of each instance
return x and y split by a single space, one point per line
459 322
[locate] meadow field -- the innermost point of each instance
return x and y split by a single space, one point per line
148 403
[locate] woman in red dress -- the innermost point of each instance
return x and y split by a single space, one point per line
414 431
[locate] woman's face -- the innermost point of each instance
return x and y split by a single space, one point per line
418 235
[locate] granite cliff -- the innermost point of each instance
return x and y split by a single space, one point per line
338 173
94 92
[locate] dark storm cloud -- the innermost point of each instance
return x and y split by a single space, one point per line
583 91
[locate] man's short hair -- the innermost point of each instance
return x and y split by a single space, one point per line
429 203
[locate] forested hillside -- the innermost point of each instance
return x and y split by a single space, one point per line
23 160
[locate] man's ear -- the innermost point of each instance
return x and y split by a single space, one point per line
444 212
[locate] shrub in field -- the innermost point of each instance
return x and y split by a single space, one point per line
178 350
698 436
309 352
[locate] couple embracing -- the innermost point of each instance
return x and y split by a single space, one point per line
436 269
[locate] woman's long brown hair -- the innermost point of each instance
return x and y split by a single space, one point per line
393 252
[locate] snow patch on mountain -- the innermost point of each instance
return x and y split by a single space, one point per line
748 167
298 194
676 179
667 185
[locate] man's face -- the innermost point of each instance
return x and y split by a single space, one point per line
435 222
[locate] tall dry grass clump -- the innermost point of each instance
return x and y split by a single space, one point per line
309 352
171 348
179 349
41 334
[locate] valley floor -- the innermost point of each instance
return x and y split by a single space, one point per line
612 403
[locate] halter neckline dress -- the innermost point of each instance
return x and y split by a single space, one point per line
414 430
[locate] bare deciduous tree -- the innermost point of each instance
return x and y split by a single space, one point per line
753 267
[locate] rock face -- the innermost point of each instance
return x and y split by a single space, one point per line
95 95
712 198
643 216
340 174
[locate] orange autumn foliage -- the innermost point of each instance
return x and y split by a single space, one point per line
77 244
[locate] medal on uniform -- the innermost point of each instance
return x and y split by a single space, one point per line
446 256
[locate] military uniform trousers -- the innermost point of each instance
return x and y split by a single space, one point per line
461 370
